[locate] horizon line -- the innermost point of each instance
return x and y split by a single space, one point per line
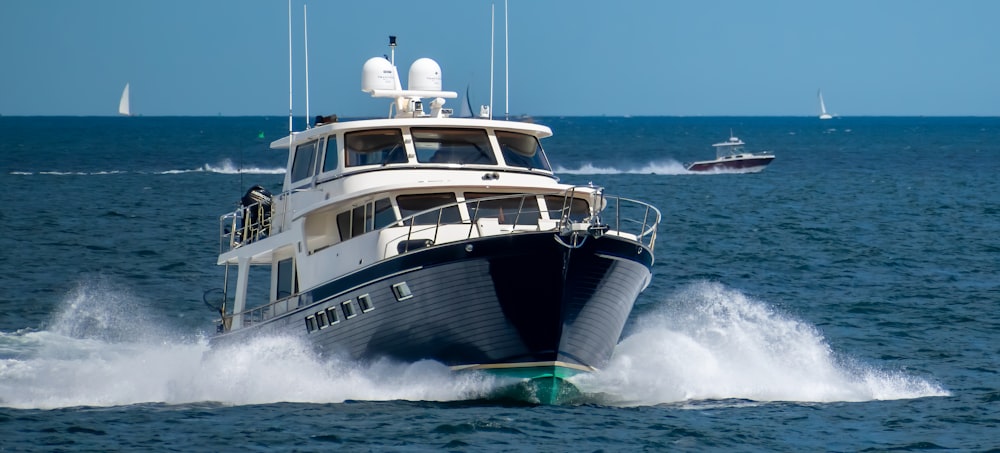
834 119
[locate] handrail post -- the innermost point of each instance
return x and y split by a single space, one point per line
473 219
518 215
409 235
618 214
437 227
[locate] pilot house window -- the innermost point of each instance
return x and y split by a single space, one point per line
330 160
453 146
521 150
374 147
305 159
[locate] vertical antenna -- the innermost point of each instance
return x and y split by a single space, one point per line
492 46
305 27
392 50
289 66
506 65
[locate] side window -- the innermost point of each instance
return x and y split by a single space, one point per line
509 210
351 223
287 284
412 204
374 147
575 208
368 217
522 150
330 161
384 215
305 160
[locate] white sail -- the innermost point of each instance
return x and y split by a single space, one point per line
124 105
822 107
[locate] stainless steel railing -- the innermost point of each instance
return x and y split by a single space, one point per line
623 217
244 225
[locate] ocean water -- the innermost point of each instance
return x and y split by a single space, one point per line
847 298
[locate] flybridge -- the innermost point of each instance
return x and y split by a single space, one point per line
380 79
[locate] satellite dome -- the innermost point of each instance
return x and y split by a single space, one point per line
378 74
425 75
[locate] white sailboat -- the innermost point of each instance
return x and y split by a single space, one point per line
823 115
125 105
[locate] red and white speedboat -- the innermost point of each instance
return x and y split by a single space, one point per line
730 157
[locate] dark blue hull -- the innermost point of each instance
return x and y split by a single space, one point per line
757 162
518 300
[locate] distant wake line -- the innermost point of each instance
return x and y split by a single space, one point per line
652 168
228 168
655 168
705 343
225 168
669 167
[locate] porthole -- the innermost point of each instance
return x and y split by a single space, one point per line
348 306
332 316
365 302
321 319
402 291
310 323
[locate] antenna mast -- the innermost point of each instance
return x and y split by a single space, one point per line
305 27
289 66
492 46
506 64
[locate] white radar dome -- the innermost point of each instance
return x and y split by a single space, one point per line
378 74
425 75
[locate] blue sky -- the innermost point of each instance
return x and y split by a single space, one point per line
567 57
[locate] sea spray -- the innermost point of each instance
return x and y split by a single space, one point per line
102 350
667 167
227 167
705 342
97 308
708 342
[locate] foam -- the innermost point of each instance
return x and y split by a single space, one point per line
705 342
708 342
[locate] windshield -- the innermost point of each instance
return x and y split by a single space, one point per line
453 146
374 147
522 150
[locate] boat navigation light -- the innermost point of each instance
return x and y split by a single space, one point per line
392 49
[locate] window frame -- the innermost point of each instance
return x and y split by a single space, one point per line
375 151
514 157
455 145
295 177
